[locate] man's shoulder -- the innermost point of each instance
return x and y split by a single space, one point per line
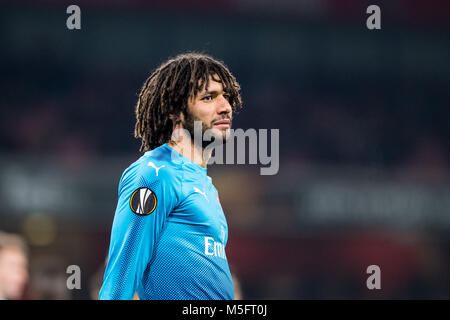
157 164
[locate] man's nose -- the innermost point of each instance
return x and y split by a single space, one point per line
224 105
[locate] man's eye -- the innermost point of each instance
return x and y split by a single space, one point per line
207 98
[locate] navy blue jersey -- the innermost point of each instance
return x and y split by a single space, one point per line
169 233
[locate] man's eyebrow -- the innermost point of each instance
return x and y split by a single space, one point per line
213 92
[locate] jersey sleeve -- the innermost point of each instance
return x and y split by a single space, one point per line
145 201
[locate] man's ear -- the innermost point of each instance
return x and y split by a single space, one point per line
177 126
176 119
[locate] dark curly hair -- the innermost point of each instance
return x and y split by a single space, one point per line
166 92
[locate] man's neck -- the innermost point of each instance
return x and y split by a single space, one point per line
187 149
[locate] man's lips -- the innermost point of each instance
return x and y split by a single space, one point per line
224 123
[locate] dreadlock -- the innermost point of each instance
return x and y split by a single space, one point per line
167 90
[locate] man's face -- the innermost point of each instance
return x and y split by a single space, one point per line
13 273
212 108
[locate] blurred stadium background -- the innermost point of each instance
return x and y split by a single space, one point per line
364 127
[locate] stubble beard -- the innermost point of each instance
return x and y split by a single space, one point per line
189 125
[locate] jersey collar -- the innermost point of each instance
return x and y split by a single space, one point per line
182 159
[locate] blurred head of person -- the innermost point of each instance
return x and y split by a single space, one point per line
13 266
